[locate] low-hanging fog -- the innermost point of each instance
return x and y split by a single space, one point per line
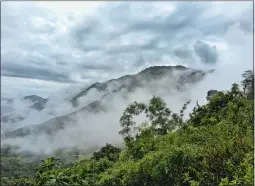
89 130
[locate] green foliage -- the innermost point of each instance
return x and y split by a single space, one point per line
214 146
110 152
162 120
13 167
210 94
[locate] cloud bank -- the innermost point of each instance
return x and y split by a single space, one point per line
55 44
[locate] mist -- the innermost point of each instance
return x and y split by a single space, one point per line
89 130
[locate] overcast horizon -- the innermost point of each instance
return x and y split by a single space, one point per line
48 46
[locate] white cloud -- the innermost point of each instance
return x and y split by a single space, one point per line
17 87
65 7
69 42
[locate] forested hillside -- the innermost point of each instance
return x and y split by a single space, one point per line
213 146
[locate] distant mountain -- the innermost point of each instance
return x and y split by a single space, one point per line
175 78
132 82
51 126
38 102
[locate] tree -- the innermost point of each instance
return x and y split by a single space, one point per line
161 119
126 121
248 83
110 152
210 94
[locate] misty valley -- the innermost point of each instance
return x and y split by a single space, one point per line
130 123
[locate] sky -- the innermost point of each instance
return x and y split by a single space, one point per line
48 46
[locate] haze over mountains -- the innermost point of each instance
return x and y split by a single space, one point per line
102 100
70 73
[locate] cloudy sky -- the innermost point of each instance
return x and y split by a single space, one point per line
47 46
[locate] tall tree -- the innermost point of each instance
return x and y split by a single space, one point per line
248 83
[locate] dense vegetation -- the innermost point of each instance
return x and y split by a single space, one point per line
214 146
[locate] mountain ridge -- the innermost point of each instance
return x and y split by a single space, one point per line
128 83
